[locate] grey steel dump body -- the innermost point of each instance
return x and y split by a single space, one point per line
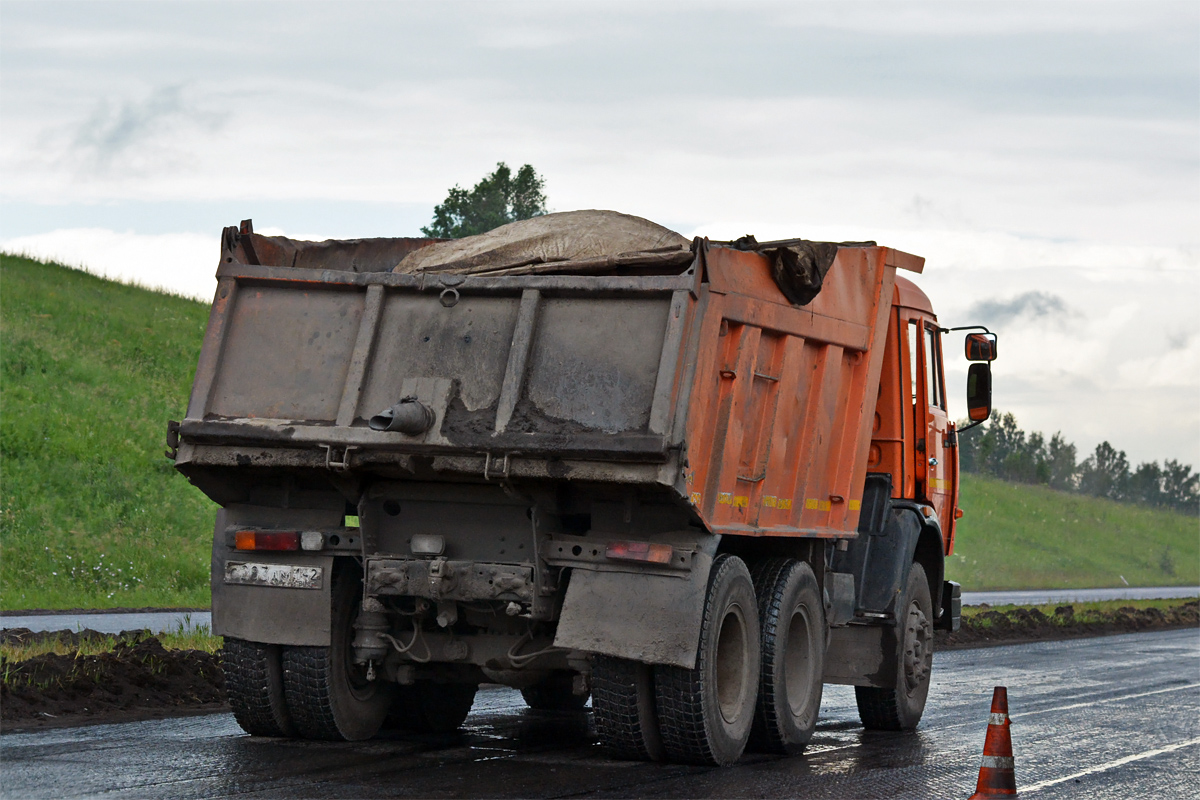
542 376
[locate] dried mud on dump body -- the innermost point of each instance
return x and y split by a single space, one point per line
139 679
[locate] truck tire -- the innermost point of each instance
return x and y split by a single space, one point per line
900 709
428 707
254 687
624 710
554 693
706 712
328 695
792 616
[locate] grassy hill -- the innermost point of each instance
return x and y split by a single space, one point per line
1016 536
93 515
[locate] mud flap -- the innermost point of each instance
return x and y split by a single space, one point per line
654 619
248 603
862 655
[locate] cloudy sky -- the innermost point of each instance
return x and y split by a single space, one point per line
1043 156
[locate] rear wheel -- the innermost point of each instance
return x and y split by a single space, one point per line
554 693
328 695
706 712
254 686
428 707
624 709
900 709
793 655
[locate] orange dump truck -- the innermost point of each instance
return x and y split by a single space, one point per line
579 455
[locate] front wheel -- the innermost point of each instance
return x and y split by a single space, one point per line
705 713
900 709
328 695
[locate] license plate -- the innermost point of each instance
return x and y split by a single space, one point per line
283 576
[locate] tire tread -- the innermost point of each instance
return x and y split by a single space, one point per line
254 688
616 709
681 692
307 679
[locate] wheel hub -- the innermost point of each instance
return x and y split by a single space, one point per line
917 650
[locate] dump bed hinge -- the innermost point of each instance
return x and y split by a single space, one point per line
489 464
333 463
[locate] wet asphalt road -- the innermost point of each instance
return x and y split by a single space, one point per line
1108 717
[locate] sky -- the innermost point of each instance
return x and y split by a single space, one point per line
1044 157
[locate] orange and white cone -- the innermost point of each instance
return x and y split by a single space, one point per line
996 776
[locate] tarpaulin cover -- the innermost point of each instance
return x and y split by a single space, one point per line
798 265
575 239
576 242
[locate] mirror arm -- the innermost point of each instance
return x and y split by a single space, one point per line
973 424
964 328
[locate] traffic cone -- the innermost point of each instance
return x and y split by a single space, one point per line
996 776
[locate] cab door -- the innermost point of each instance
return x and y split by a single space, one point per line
934 460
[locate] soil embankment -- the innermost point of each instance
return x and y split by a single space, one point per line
137 679
1018 625
140 679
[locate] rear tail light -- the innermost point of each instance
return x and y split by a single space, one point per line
267 540
640 551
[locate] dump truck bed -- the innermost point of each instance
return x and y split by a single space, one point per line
705 384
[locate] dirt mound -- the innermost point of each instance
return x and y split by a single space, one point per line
1031 625
24 636
137 676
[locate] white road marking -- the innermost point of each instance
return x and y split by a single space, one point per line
1024 714
1037 787
1108 700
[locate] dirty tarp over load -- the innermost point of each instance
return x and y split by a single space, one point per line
798 265
573 242
591 242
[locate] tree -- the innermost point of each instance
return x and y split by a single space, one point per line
496 200
1180 488
1105 473
1060 462
1145 485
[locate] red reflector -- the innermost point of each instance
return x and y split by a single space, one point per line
640 551
267 540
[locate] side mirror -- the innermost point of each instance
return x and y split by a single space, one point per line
981 347
979 392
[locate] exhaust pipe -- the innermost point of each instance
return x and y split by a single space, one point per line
409 416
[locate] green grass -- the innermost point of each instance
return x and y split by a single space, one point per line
198 638
91 512
93 516
1083 612
1016 536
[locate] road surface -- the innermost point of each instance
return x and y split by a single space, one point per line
1107 717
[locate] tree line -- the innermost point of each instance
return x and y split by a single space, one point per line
1000 448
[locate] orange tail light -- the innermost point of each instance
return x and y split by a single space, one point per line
640 551
267 540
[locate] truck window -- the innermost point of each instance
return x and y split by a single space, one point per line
933 370
912 358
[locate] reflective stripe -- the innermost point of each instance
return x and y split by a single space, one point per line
997 762
997 719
